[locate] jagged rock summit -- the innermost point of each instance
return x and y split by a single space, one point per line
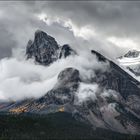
45 50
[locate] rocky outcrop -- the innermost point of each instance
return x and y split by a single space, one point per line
117 79
64 90
66 50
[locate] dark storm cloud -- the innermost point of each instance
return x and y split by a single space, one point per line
107 17
18 20
6 41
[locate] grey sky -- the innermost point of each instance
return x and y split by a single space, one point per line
118 22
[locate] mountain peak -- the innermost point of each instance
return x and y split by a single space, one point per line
43 48
38 31
132 54
42 37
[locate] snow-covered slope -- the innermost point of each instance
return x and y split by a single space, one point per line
131 61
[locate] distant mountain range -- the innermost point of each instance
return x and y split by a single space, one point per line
116 105
131 60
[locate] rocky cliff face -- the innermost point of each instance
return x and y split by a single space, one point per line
114 106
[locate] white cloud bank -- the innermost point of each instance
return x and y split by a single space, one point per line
23 79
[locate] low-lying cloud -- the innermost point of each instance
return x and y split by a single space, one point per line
22 78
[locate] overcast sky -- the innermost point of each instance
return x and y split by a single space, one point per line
77 23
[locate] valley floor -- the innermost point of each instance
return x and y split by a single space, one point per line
53 126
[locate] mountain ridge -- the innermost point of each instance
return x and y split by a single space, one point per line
111 107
